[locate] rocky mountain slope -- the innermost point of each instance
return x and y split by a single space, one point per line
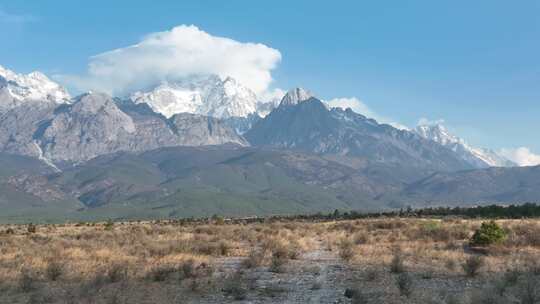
477 157
96 124
304 123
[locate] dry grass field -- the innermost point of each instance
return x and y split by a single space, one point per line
390 260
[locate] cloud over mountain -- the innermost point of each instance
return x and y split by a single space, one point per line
360 107
170 55
521 156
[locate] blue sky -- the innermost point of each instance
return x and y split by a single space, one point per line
474 64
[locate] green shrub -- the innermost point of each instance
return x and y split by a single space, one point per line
488 234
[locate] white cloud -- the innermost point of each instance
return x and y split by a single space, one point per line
274 96
169 55
354 103
360 107
522 156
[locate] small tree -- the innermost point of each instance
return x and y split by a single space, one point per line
488 234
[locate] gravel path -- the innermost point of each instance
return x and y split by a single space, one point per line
316 277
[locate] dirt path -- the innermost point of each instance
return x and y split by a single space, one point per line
314 278
318 276
324 288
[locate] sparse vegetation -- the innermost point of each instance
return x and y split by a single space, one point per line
26 280
234 287
404 283
472 265
356 296
278 262
116 272
528 291
346 249
160 272
397 265
31 228
109 225
388 260
54 269
254 259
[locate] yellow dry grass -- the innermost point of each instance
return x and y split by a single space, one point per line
146 253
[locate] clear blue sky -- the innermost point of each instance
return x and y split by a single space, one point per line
475 64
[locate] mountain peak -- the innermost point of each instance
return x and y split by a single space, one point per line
207 95
478 157
20 88
93 102
438 132
295 96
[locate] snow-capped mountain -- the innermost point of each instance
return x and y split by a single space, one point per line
478 157
204 95
16 89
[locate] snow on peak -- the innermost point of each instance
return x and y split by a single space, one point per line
438 133
16 89
478 157
207 95
295 96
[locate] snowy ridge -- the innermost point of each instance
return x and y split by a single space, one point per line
33 87
477 157
204 95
